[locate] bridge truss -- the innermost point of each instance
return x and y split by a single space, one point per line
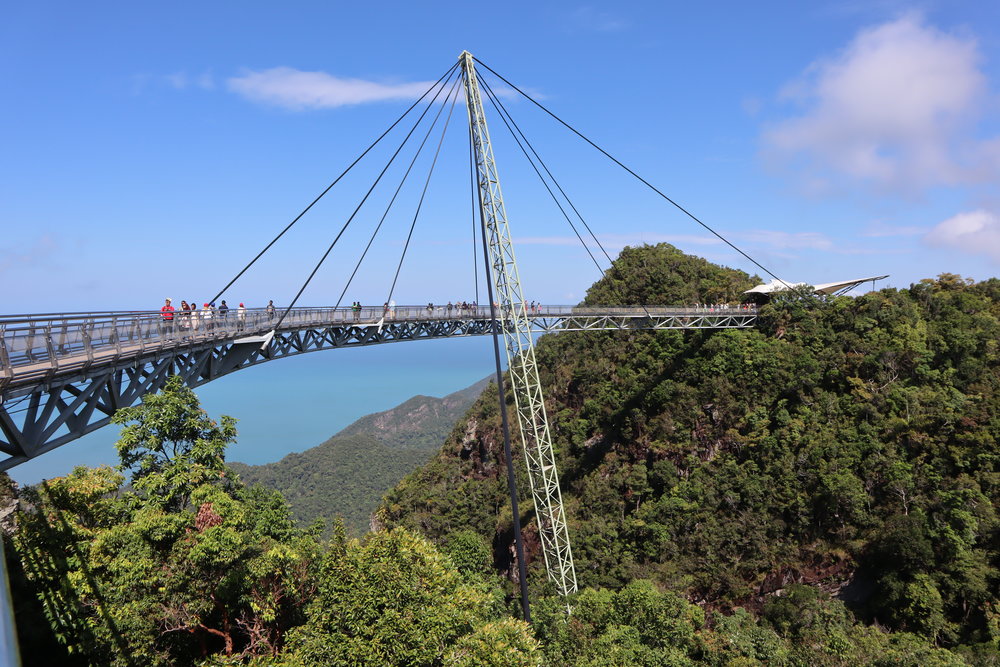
63 376
515 325
66 376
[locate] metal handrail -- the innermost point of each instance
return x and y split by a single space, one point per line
68 317
91 338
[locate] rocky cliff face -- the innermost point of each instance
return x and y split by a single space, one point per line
8 504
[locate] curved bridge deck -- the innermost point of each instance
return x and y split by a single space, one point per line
64 375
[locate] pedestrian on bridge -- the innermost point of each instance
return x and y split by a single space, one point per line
206 317
241 317
167 313
223 310
183 315
270 309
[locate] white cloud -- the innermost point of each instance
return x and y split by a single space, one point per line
787 240
43 249
294 89
879 229
619 241
178 80
181 81
547 240
205 81
590 19
975 232
896 108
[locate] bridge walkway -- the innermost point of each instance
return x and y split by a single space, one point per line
65 375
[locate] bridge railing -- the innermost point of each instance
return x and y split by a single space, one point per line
44 339
40 344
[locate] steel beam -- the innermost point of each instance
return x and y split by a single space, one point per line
515 322
47 403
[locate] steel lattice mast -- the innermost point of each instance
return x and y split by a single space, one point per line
516 327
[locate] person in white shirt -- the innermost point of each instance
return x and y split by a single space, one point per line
206 317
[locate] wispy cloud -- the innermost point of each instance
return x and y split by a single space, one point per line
776 242
297 90
182 80
864 8
789 245
592 19
619 241
879 229
975 232
897 108
786 240
41 250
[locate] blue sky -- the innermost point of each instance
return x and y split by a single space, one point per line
150 150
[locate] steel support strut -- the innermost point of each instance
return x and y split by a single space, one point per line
516 326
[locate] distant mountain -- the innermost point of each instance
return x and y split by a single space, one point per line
348 474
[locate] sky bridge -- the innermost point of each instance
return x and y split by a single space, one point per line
63 375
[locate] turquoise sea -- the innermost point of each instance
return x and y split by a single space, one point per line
292 404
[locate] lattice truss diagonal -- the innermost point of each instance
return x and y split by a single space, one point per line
61 379
516 326
42 414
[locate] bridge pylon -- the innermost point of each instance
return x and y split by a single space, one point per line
515 324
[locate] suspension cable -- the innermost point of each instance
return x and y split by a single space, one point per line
502 112
430 172
634 174
391 202
360 204
505 112
505 116
335 181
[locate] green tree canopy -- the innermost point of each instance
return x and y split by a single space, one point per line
186 564
170 446
393 599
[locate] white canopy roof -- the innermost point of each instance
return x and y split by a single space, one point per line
821 288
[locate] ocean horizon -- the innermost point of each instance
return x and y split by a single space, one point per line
295 403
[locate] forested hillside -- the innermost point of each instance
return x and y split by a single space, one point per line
347 475
846 445
186 565
821 490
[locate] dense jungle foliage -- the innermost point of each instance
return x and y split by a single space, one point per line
190 566
832 472
821 490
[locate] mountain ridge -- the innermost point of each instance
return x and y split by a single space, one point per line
844 443
347 474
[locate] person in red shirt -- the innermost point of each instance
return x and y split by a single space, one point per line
167 313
